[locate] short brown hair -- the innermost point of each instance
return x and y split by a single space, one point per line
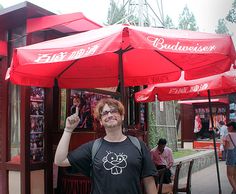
110 102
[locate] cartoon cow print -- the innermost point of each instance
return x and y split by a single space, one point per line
114 162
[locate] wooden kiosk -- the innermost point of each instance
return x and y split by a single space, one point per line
189 113
32 119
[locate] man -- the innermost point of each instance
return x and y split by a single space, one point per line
223 131
163 158
118 165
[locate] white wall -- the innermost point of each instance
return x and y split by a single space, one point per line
14 182
36 179
37 182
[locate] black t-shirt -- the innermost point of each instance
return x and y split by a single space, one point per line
118 166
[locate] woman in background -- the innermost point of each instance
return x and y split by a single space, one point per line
230 145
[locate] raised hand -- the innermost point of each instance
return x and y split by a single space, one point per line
72 121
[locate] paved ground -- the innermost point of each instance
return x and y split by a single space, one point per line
205 181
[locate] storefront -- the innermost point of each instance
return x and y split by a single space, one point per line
20 173
196 122
32 119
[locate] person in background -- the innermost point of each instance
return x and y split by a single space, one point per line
230 145
162 156
118 166
223 131
84 112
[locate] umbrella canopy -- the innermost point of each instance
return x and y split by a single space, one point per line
224 83
133 55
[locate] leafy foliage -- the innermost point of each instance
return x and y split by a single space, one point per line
116 13
187 20
168 23
152 130
126 12
231 17
222 28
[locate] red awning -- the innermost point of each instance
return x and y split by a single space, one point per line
66 23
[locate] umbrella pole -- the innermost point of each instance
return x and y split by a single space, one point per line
214 141
122 87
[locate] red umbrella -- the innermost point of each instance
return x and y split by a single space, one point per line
133 55
218 84
210 86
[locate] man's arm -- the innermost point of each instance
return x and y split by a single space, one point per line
63 146
149 184
170 159
62 150
226 141
154 156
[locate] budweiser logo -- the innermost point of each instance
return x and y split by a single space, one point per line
160 44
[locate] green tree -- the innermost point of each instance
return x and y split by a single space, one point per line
187 20
168 23
125 12
116 13
231 16
222 28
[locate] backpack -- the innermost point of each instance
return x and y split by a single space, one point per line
98 142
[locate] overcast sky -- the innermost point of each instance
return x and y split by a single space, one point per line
207 12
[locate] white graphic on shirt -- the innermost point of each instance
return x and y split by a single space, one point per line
114 162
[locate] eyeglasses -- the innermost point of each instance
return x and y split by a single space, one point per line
112 111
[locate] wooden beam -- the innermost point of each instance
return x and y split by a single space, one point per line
25 141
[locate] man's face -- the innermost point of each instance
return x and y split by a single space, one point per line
110 117
161 148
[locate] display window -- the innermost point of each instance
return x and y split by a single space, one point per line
37 96
86 101
203 125
14 99
232 107
14 116
63 107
